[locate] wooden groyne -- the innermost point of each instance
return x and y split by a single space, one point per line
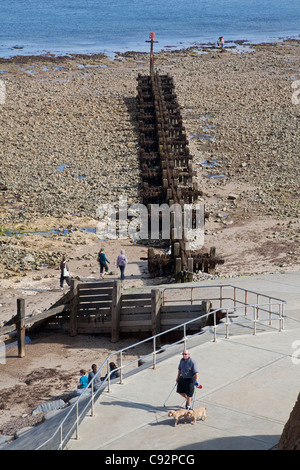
167 172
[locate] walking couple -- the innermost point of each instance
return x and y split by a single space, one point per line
121 263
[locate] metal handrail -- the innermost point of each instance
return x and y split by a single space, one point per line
221 287
94 393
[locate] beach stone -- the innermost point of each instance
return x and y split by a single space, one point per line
28 259
50 406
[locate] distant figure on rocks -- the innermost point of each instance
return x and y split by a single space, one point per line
121 263
103 263
64 273
220 43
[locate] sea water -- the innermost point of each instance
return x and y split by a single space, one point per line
106 26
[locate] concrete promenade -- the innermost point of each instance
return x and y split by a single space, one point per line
250 385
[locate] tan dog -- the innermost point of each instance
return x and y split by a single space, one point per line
177 415
196 414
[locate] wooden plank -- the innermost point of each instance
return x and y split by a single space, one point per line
133 311
94 298
95 311
142 329
182 308
135 303
21 327
46 314
135 318
179 316
93 318
136 296
94 305
8 329
36 320
92 324
90 292
95 285
65 299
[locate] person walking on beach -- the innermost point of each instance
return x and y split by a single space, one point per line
187 378
220 43
103 263
121 263
64 273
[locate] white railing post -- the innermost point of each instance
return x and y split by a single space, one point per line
254 320
281 309
121 367
92 400
215 327
61 439
227 324
154 352
77 422
108 378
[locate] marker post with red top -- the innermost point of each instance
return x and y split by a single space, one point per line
151 37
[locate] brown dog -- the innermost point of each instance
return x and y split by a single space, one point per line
200 413
177 415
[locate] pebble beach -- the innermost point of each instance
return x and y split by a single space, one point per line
69 137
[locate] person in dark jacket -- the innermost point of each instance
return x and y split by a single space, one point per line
103 263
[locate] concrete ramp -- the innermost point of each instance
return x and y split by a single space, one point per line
250 385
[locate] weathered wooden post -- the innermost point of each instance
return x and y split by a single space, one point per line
177 269
205 309
74 307
116 311
21 327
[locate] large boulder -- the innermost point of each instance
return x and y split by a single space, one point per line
290 437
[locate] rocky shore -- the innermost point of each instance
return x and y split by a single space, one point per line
69 143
